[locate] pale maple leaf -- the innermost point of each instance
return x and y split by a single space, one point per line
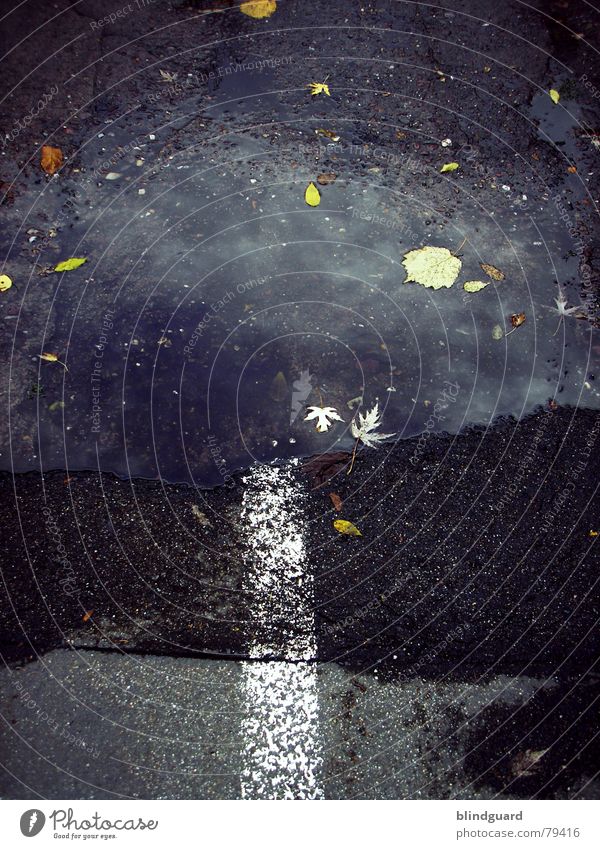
563 310
364 428
323 416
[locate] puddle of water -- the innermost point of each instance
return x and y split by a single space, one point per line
216 304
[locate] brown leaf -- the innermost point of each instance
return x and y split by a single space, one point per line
52 159
572 169
87 616
323 467
400 135
336 501
326 179
491 271
517 319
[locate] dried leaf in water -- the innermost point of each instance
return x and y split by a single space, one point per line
325 417
326 179
52 159
554 95
312 195
336 501
5 282
475 285
319 88
258 8
323 467
497 332
70 264
491 271
279 388
344 527
449 166
435 268
517 319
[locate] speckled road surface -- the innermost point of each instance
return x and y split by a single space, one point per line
179 617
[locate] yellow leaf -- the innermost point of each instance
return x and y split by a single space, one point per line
70 264
5 282
492 271
311 195
434 268
449 166
555 96
52 358
52 159
319 88
258 8
475 285
344 527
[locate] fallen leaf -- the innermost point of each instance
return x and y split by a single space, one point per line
497 332
258 8
323 467
319 88
337 501
491 271
87 616
312 195
434 268
52 159
5 282
52 358
71 263
572 169
167 76
326 179
344 527
202 517
526 762
112 175
554 95
323 416
535 155
278 390
56 405
330 134
486 69
449 166
400 135
475 285
593 533
517 319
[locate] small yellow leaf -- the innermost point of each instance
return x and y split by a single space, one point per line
52 159
449 166
70 264
344 527
319 88
434 268
555 96
491 271
51 358
258 8
475 285
5 282
593 533
311 195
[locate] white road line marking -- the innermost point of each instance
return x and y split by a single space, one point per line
282 740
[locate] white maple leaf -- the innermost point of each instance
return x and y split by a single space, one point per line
364 428
563 310
322 415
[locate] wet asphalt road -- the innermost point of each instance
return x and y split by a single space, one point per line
168 641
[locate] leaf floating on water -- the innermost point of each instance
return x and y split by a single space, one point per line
52 159
497 332
475 285
525 763
491 271
344 527
326 179
312 195
279 388
112 175
554 95
449 166
435 268
48 357
70 264
517 319
319 88
258 8
5 282
336 501
323 415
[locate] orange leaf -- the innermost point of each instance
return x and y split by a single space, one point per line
87 616
517 319
52 159
336 501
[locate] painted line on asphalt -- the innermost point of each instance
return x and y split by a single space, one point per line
281 733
